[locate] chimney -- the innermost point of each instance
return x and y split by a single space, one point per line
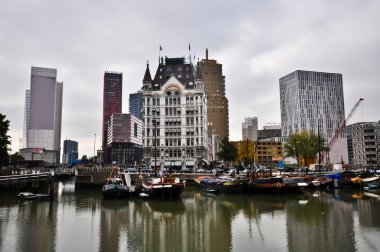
206 53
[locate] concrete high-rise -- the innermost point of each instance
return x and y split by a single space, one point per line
249 128
43 115
314 101
217 102
112 103
136 104
124 143
363 144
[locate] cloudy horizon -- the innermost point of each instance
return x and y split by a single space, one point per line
257 42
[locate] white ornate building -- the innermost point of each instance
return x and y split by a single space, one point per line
175 116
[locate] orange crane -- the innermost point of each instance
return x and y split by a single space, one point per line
341 128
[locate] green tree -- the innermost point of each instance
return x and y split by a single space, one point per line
84 158
5 140
15 158
228 151
305 146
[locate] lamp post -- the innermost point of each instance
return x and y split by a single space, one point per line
155 146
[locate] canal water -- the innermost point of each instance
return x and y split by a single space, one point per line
198 221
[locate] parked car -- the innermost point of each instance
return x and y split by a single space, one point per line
131 170
186 170
217 171
201 170
147 170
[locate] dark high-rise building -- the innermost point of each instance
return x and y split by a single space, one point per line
217 102
70 151
136 104
112 102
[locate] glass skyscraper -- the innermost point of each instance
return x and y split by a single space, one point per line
314 101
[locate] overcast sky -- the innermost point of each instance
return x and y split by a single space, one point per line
256 41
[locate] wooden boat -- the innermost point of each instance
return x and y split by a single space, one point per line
165 186
24 196
115 187
323 182
368 178
224 184
346 179
269 184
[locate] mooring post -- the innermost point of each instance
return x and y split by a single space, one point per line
51 187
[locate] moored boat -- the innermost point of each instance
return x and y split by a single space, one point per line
24 196
115 186
165 186
224 184
268 184
293 184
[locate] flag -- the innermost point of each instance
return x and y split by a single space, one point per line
160 48
189 46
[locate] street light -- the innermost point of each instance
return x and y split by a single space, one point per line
155 145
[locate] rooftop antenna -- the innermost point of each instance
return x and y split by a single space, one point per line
159 53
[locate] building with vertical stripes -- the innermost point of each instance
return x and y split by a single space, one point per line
314 101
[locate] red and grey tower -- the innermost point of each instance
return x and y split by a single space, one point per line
112 103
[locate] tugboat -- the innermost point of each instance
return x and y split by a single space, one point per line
115 186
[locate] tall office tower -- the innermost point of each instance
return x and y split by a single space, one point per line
363 142
175 116
217 102
43 115
136 104
124 143
112 103
249 128
70 151
313 101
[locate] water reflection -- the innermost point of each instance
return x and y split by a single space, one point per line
82 220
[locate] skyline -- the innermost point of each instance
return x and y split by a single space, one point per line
257 44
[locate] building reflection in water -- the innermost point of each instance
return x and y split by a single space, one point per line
82 220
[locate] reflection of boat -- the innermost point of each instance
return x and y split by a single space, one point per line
115 186
32 196
166 186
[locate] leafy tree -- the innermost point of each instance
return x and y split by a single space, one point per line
5 140
84 158
228 151
15 158
246 152
303 145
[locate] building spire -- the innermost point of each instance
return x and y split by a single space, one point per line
199 74
147 76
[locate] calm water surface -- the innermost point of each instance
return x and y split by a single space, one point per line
83 221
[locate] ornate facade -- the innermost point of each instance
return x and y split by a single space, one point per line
175 116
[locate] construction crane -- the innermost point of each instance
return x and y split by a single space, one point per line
341 128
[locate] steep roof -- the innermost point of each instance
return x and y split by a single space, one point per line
147 77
